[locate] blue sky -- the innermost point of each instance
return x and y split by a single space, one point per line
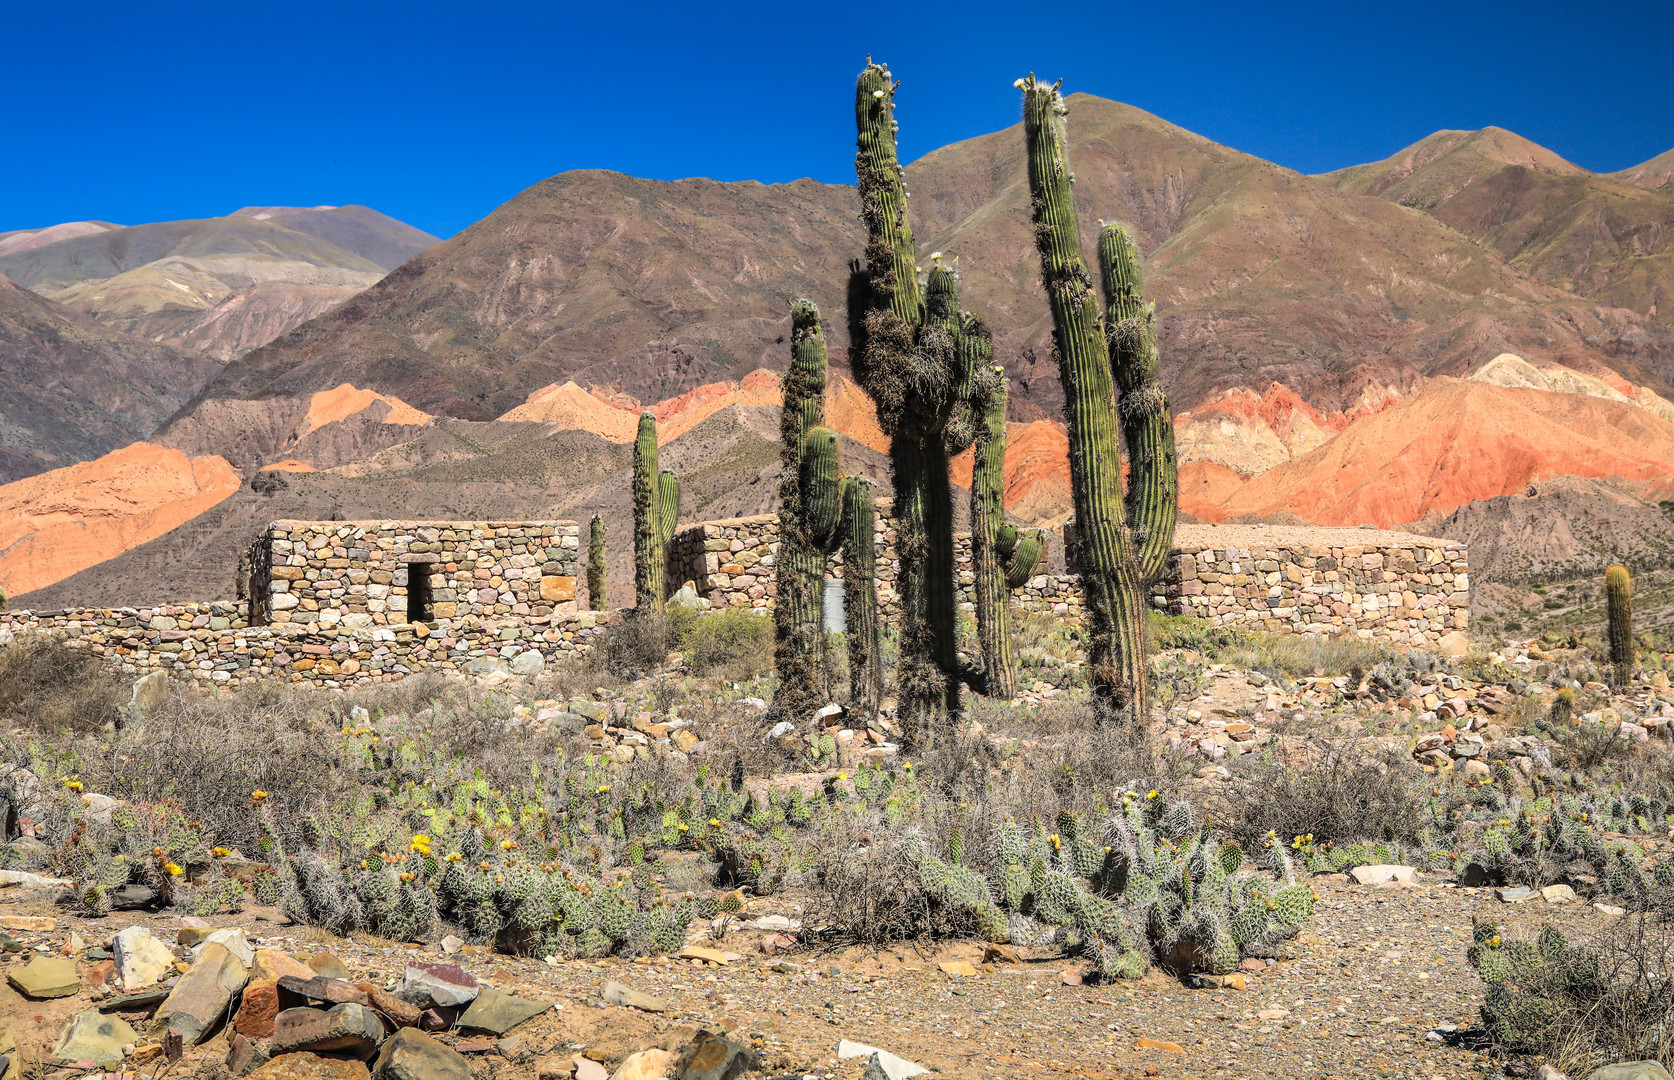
437 113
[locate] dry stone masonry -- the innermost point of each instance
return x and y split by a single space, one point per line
332 601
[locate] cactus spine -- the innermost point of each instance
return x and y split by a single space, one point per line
596 564
1111 572
800 574
999 561
860 598
1618 592
924 362
650 546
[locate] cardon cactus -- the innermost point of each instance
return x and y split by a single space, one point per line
1000 560
925 363
860 598
650 551
668 508
800 574
596 598
1096 356
1618 592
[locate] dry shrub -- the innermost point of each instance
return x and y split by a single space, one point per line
210 754
732 643
639 642
1339 795
48 686
870 890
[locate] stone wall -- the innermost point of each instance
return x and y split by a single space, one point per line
214 644
357 573
1390 586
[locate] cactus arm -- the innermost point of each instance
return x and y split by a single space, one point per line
648 556
798 578
1618 593
821 492
1025 558
1153 497
988 554
893 275
596 598
1110 573
860 597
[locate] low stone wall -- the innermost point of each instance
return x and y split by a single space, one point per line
185 641
1390 586
359 573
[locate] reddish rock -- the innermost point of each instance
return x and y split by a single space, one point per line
259 1010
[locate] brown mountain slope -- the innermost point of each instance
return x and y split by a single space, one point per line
1656 173
71 390
1608 238
1260 275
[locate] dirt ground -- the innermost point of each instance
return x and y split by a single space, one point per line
1374 973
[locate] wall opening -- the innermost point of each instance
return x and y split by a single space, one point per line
419 607
835 618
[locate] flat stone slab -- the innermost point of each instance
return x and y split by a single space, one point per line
893 1067
46 977
437 984
1382 873
350 1029
410 1054
91 1036
615 993
306 1066
497 1012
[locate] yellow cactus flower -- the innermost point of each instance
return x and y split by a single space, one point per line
174 869
73 785
258 795
220 852
1153 793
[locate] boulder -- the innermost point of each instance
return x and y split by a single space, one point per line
304 1066
880 1062
236 942
147 693
646 1065
328 965
710 1056
201 998
92 1036
258 1010
46 977
528 663
615 993
1378 875
270 964
426 984
141 959
347 1029
1631 1070
410 1054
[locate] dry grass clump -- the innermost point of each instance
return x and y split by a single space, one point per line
1339 795
47 686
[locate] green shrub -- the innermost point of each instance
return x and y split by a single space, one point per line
733 641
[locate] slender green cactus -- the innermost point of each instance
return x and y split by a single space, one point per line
860 598
1618 591
800 573
650 553
925 364
998 560
596 564
1112 576
1153 498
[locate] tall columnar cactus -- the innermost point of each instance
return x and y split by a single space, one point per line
1618 592
800 573
925 364
650 547
1130 327
999 560
822 488
668 507
596 564
860 598
1112 573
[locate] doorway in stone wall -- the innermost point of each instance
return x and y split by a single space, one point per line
419 606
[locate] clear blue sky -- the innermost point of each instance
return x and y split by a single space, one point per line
437 113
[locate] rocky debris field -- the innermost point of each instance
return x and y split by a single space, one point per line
1376 986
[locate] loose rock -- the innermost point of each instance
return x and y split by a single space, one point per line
410 1054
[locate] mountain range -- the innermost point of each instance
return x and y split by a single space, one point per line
1474 308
